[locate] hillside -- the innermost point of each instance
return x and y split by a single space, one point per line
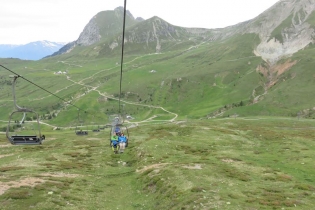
251 163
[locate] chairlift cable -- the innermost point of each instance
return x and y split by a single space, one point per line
122 55
118 124
42 88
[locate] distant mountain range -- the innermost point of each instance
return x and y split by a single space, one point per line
30 51
283 29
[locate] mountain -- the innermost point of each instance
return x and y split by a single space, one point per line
262 66
7 47
249 60
104 31
284 29
30 51
146 36
103 25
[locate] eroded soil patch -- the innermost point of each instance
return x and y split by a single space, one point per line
29 182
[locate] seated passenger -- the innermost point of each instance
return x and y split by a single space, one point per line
117 131
114 142
122 139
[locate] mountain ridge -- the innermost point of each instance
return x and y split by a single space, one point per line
30 51
284 29
280 33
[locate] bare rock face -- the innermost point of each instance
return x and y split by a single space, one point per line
119 12
90 34
284 29
113 45
273 50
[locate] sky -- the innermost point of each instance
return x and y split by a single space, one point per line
24 21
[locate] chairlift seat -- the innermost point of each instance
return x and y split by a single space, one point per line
81 133
26 140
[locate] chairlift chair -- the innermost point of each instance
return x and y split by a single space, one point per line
121 129
78 129
81 132
35 139
98 129
118 127
117 121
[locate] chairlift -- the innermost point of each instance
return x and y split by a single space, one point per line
96 129
78 129
104 127
117 121
16 139
117 127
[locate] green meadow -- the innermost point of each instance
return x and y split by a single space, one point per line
233 163
193 79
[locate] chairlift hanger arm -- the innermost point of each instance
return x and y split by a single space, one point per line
22 109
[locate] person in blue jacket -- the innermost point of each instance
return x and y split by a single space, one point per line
122 139
114 143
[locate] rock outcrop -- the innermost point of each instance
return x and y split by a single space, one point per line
284 29
90 34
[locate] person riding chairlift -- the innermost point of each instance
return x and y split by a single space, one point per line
114 143
122 139
117 131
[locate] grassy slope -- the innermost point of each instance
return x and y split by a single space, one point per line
277 32
192 79
227 164
293 92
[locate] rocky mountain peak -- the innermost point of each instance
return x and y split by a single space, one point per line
119 11
90 33
103 25
139 19
284 29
